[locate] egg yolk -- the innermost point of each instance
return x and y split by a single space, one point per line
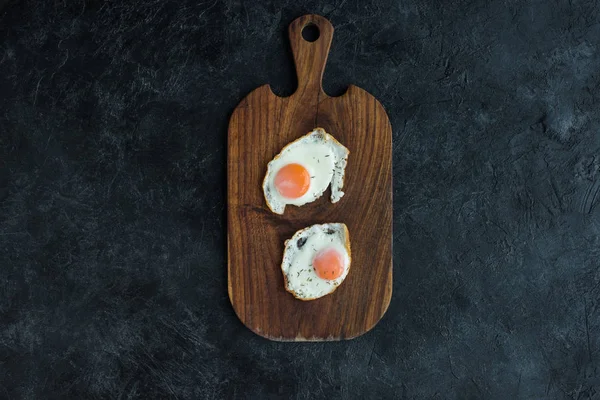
292 181
328 264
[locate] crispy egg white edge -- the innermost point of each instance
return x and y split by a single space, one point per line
277 203
291 251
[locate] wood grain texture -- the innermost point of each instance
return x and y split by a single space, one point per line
259 128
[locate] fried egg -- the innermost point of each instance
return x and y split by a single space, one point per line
304 169
316 260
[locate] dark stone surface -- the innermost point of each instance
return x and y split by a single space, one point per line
113 119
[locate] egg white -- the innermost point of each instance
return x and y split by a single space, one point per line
299 275
325 160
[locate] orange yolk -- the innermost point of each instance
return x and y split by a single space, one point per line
292 181
329 264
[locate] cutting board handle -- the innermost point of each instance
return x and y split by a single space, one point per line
310 57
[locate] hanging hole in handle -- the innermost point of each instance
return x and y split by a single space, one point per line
311 33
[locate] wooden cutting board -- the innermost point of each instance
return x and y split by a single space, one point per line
260 126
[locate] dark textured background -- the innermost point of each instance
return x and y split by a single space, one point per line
113 120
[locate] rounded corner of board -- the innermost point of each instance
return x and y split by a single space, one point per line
241 318
353 89
372 326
